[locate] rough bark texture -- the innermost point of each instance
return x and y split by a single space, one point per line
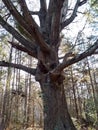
56 115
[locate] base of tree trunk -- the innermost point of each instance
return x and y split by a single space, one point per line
56 115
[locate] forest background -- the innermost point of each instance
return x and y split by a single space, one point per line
21 98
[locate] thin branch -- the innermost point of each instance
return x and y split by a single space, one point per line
18 66
77 11
69 20
6 16
72 17
34 12
82 2
29 45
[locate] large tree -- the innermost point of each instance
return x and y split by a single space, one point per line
42 42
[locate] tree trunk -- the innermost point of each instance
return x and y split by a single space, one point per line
74 94
56 115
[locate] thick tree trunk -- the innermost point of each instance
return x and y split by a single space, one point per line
56 115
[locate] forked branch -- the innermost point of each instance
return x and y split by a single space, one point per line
31 28
77 58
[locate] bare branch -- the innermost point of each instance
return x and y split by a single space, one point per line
31 28
42 14
27 16
18 66
24 49
29 45
82 2
72 17
34 12
69 20
77 58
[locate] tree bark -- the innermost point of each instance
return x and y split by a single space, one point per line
74 94
56 115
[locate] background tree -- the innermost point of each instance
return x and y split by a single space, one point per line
42 41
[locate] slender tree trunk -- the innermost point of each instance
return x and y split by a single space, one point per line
56 115
29 94
29 101
1 95
74 93
79 102
26 100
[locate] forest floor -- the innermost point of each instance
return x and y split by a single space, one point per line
78 125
